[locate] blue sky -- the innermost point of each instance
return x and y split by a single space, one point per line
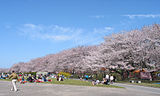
35 28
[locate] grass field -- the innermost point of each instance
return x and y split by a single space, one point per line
80 83
5 79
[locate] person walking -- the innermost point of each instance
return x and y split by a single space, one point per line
14 78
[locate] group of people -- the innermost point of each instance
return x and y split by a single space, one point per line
44 78
85 77
4 76
34 78
107 80
60 78
23 79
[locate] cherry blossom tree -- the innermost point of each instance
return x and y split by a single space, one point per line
135 49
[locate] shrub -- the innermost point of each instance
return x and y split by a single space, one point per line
64 74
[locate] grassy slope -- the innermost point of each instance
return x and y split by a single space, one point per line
80 83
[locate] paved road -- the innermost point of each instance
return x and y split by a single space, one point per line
33 89
142 88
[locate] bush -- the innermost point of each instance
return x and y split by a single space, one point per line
117 75
64 74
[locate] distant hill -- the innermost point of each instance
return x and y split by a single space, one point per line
135 49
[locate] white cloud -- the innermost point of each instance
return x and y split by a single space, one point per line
56 38
143 15
97 16
30 25
103 31
76 36
108 28
52 32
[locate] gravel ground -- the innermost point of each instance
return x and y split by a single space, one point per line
37 89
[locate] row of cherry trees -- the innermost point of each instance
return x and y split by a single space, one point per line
136 49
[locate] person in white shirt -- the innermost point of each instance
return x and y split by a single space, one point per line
107 76
111 79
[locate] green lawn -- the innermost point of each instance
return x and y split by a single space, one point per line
5 79
80 83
